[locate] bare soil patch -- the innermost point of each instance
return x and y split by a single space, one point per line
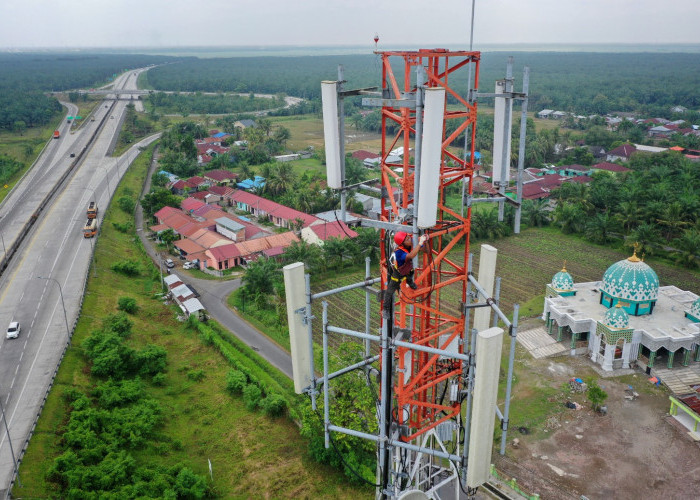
635 451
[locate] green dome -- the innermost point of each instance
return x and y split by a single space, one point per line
631 279
563 281
617 318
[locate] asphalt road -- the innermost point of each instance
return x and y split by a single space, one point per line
47 274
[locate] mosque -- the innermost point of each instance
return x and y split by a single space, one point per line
626 319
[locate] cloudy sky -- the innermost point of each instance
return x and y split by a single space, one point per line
172 23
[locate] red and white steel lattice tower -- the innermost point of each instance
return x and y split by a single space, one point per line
433 313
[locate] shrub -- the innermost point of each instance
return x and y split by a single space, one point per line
235 381
196 375
251 396
159 379
123 227
151 360
127 267
127 304
126 203
118 323
273 405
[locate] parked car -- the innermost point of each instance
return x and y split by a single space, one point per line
72 155
188 265
13 330
169 263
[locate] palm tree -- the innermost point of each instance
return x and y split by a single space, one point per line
645 235
629 215
569 217
536 212
672 220
688 245
598 228
300 251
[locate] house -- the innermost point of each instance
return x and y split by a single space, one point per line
286 158
679 109
363 155
366 201
597 151
230 228
172 280
250 184
171 177
223 257
245 124
200 195
610 167
317 234
659 131
203 159
335 215
559 115
545 113
190 204
217 194
623 153
187 246
278 214
219 176
574 170
181 187
641 148
198 182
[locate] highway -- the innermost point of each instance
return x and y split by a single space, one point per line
42 220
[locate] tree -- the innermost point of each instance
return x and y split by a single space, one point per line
645 235
282 135
596 395
167 237
569 217
159 198
300 251
19 127
536 212
688 246
598 228
259 279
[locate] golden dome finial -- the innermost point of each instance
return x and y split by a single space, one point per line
563 269
634 257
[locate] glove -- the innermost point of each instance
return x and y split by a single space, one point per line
422 239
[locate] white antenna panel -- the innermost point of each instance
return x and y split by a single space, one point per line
431 156
298 332
331 135
501 135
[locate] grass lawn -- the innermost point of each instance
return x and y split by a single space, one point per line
252 456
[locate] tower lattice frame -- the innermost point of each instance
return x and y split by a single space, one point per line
433 314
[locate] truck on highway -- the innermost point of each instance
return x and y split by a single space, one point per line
90 228
92 210
56 134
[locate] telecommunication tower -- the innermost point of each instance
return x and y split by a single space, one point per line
433 389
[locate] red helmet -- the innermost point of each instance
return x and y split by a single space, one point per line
400 237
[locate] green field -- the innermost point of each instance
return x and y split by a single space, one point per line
252 456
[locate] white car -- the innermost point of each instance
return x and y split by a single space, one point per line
169 263
13 330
